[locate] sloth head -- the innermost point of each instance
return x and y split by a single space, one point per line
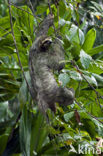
45 43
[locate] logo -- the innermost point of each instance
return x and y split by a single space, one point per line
85 149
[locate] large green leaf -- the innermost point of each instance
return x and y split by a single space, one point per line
96 67
68 116
89 40
75 75
33 132
91 79
23 92
98 78
85 59
38 134
75 35
95 50
62 9
25 131
64 79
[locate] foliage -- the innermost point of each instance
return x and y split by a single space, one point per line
23 130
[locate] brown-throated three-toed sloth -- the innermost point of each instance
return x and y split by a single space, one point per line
45 57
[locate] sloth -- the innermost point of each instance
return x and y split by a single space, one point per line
45 57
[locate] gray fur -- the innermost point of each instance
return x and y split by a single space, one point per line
42 63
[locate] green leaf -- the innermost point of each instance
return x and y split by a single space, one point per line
4 140
6 96
75 35
89 40
98 77
97 6
81 36
3 111
6 46
88 124
41 8
75 75
62 22
99 126
24 20
96 67
91 80
4 25
23 92
64 79
8 122
25 131
75 50
38 134
95 109
85 59
33 132
68 116
95 50
23 30
62 9
9 87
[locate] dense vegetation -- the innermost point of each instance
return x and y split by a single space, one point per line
23 129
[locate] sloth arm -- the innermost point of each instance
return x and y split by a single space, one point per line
50 89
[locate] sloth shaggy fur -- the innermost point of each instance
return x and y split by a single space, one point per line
44 58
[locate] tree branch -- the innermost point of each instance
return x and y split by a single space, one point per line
33 11
88 112
17 52
10 3
51 15
97 94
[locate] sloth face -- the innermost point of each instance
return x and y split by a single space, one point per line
45 44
